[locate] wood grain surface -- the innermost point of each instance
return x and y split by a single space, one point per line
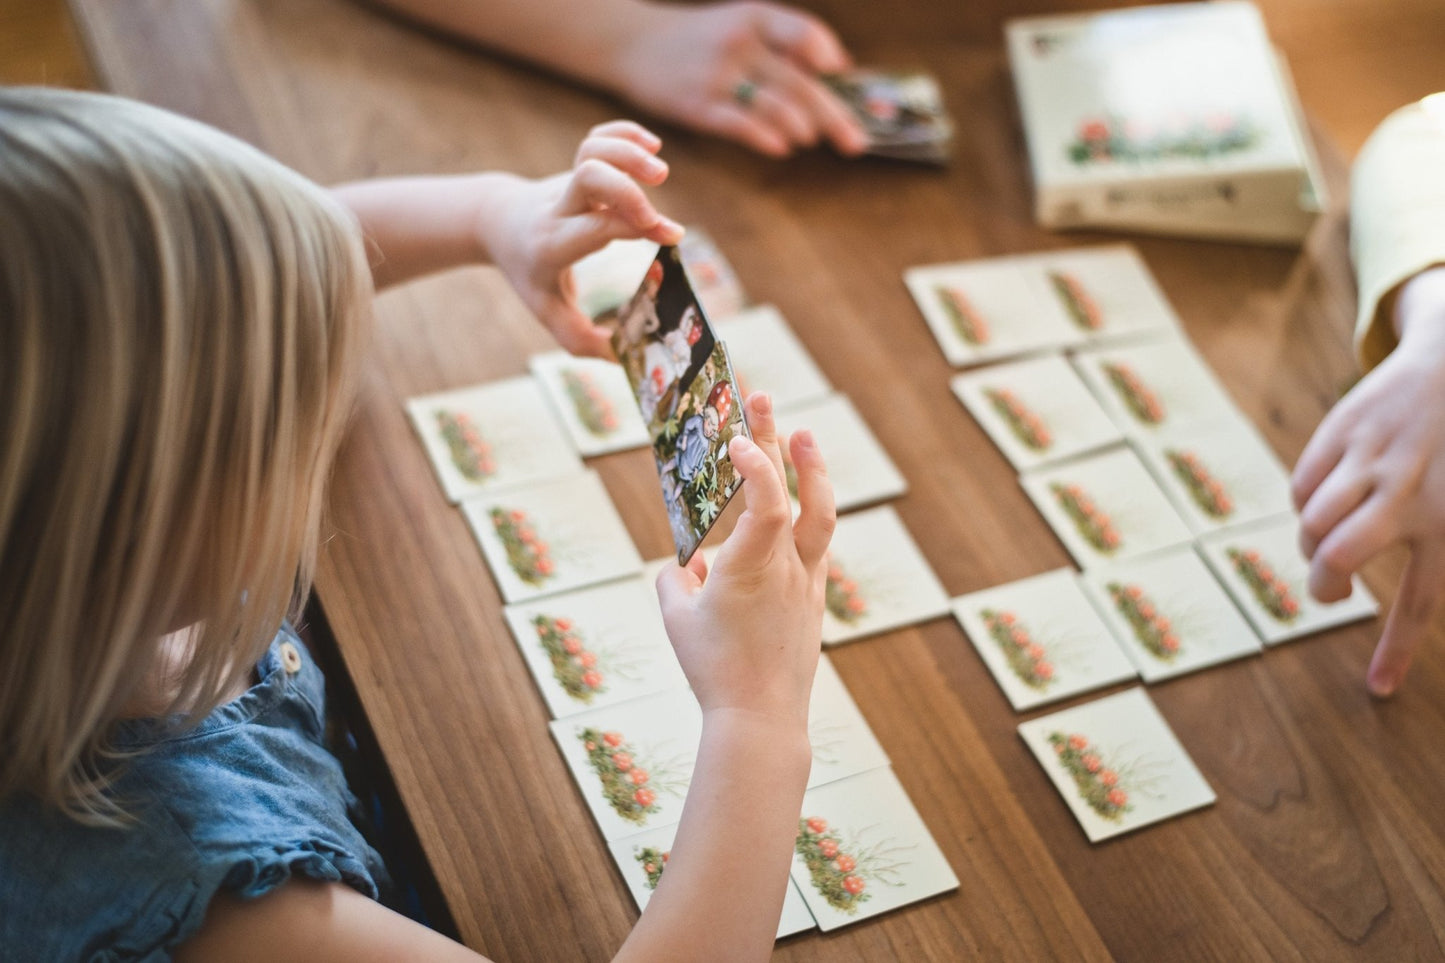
1326 841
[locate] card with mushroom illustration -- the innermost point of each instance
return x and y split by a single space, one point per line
1155 384
593 401
862 849
986 310
1042 639
1261 566
858 466
596 646
1218 473
1107 291
644 857
1036 411
843 743
1105 507
1117 764
633 761
491 437
878 579
767 356
552 537
1170 614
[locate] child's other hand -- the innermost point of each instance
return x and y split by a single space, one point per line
544 226
748 632
1373 475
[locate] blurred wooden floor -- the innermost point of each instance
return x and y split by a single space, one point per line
38 45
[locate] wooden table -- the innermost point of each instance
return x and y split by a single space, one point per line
1326 841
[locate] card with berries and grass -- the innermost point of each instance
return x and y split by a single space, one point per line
644 858
843 743
1107 291
1154 384
986 310
491 437
632 761
1036 411
592 400
767 356
1117 764
552 537
1170 614
1262 567
1218 474
862 849
878 579
1105 507
858 465
606 279
1042 639
596 646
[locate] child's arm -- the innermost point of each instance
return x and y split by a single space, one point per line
746 71
532 229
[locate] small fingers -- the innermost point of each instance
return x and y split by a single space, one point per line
817 516
576 333
1340 493
625 155
676 584
580 235
1322 453
1410 617
1354 541
765 430
628 130
768 513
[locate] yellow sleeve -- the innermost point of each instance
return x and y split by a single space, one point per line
1397 216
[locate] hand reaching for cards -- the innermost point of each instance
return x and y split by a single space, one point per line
747 71
748 632
539 229
1373 476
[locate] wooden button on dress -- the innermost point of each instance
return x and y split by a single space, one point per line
290 658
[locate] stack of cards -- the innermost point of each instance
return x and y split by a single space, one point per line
901 112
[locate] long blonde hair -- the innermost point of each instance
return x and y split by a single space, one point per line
180 320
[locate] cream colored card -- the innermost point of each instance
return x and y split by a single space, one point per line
1155 385
1170 614
767 356
1105 507
606 279
551 537
1218 473
843 744
1262 567
1042 639
878 579
862 849
1106 291
596 646
633 761
644 857
1036 411
491 437
858 465
1117 764
593 400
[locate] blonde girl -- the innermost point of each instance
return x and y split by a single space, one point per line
181 322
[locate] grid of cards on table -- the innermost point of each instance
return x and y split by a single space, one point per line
583 609
1177 512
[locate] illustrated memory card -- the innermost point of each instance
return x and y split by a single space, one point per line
688 395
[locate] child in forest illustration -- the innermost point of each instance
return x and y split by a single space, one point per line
182 330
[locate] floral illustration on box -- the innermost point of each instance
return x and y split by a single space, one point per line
1150 626
1078 302
468 449
840 870
1269 589
1115 139
575 667
967 323
653 861
1026 426
1207 491
526 553
1138 397
594 409
842 597
629 788
1028 659
1091 522
1099 785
